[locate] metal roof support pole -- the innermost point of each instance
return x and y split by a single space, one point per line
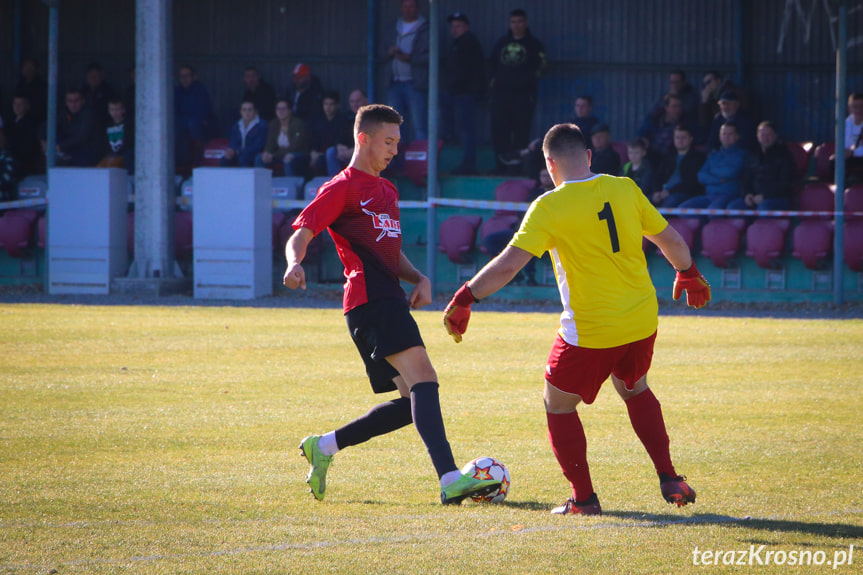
839 175
432 181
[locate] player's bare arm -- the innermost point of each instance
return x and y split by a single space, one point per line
673 247
295 252
421 294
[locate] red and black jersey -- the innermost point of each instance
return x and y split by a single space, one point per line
362 214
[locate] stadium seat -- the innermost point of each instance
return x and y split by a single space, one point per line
311 189
287 187
813 240
817 197
802 152
853 232
183 235
42 232
765 241
853 203
822 161
687 228
214 151
720 240
495 224
457 237
32 187
512 191
416 161
16 231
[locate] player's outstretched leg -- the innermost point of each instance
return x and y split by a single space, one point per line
467 486
317 478
589 506
676 490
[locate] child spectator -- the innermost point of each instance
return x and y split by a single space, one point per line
638 168
119 138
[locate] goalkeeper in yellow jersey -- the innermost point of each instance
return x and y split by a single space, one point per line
592 226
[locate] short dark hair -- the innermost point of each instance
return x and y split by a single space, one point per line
94 66
715 73
372 116
855 96
188 67
250 68
589 99
74 90
563 140
115 101
332 95
730 125
678 72
668 97
682 128
286 101
248 101
768 124
638 143
518 13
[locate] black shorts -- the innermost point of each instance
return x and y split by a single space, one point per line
379 329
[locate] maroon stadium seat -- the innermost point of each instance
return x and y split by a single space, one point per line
512 191
720 240
802 152
214 151
813 240
495 224
457 237
853 202
765 241
416 161
16 231
853 234
817 197
686 227
822 161
183 235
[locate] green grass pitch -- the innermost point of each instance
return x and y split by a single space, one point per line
164 440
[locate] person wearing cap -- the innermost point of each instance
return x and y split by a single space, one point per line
605 159
308 96
463 83
730 112
260 92
408 54
515 64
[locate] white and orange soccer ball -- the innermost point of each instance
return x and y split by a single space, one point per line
489 468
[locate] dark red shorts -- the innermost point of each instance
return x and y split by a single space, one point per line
582 370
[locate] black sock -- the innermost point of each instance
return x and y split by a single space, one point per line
381 419
425 405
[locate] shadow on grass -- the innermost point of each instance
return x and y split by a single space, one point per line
840 530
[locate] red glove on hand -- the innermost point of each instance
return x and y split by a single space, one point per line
457 312
697 288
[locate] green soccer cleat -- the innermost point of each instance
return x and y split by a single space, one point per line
466 486
317 478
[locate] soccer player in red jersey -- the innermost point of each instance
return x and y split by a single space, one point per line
592 226
361 211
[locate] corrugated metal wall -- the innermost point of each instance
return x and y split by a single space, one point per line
618 51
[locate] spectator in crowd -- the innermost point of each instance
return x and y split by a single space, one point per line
689 99
658 126
712 87
730 112
327 131
516 62
771 174
97 93
854 134
119 138
259 92
408 53
638 168
496 241
34 88
679 171
78 137
308 94
248 137
340 155
192 112
287 142
22 137
723 173
463 85
604 160
583 115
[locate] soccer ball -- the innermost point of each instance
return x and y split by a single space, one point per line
489 468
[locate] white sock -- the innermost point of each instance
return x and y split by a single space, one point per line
327 444
449 478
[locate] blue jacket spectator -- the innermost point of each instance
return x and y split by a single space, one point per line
248 138
723 173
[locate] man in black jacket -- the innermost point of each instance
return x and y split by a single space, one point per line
680 172
463 83
769 187
517 61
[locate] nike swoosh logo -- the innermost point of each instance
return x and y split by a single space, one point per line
365 202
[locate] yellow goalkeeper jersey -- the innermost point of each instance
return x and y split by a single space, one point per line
593 231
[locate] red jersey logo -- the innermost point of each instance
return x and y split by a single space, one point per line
389 227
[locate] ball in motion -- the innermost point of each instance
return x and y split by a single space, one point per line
489 468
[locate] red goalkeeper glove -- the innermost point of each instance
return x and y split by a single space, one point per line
457 313
697 288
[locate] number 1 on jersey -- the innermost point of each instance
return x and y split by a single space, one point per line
607 215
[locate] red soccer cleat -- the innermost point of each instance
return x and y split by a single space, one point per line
589 506
676 490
